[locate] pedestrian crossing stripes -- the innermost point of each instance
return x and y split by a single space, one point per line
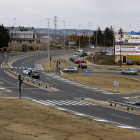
64 102
33 68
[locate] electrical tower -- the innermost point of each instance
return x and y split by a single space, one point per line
55 26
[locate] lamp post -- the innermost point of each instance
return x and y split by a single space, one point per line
96 36
48 39
89 34
79 35
130 29
64 37
14 31
113 38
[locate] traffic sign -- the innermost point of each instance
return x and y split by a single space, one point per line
116 83
59 66
86 71
26 68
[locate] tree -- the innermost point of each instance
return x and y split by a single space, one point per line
4 37
120 31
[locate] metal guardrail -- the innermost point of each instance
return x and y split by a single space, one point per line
124 104
30 79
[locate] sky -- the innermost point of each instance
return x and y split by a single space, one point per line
91 14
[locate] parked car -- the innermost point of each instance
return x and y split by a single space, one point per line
138 62
70 69
129 71
91 47
83 65
78 61
34 74
129 62
79 52
99 52
88 53
73 57
82 55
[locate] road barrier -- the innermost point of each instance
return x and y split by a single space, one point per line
124 104
30 79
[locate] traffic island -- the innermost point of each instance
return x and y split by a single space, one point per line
35 83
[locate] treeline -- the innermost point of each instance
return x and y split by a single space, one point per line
104 38
4 37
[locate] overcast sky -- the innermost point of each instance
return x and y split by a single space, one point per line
103 13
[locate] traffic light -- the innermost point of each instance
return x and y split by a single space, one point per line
37 47
124 59
19 77
21 81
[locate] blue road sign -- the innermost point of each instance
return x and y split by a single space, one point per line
59 66
86 71
26 68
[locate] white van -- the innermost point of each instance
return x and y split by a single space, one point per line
79 52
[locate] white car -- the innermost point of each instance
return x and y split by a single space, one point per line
91 47
26 72
70 69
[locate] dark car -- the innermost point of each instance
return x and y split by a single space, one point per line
129 62
138 62
34 74
137 103
83 65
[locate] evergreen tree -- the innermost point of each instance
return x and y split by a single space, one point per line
4 37
120 31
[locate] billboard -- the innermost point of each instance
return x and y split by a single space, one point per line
127 50
127 39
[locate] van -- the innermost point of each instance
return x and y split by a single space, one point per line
79 52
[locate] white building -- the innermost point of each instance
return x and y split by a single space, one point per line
45 39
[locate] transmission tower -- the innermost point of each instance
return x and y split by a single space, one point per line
55 26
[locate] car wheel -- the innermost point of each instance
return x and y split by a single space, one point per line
75 71
131 73
65 71
122 72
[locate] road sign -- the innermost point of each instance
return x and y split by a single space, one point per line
116 83
116 60
26 68
86 71
59 66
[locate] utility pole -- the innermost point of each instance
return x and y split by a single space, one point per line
89 34
14 32
64 37
96 36
48 39
79 35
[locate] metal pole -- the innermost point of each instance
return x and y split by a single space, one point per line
79 35
14 31
48 40
64 37
120 55
113 38
86 78
96 36
59 60
89 34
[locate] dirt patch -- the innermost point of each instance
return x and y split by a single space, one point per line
25 120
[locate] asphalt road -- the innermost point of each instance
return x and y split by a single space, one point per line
69 94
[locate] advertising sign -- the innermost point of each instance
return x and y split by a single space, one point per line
127 50
127 39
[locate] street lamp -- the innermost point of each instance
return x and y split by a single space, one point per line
130 29
113 38
64 37
14 30
96 36
48 39
89 34
79 35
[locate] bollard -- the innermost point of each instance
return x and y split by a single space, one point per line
110 104
46 86
82 97
127 108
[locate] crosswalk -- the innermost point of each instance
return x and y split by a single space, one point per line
76 84
64 102
38 68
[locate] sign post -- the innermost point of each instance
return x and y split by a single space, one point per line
116 83
59 66
86 72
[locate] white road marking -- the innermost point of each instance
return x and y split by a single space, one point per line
120 116
79 90
34 92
